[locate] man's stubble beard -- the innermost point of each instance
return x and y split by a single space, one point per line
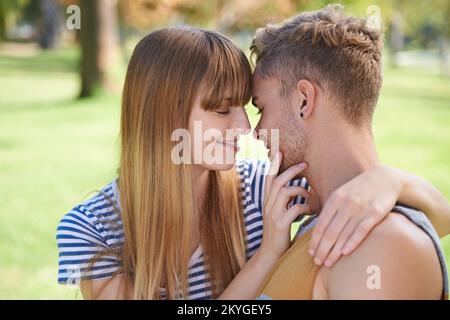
293 143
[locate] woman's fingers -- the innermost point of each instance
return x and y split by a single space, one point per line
323 221
336 252
280 181
362 230
331 235
272 174
288 174
284 195
294 211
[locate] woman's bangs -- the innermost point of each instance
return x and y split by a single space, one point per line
228 76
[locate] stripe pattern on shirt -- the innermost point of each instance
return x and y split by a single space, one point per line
95 225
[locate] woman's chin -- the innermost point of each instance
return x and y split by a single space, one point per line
220 166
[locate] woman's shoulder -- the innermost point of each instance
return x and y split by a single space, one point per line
98 216
87 229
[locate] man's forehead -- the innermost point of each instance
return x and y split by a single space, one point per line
256 91
257 73
264 85
259 80
256 76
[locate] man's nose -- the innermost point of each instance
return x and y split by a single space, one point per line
256 130
255 134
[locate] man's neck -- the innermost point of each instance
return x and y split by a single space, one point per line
334 162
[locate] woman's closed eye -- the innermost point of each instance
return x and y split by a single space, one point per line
223 112
224 108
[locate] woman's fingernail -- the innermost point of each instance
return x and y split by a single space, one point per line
311 252
317 261
302 165
328 263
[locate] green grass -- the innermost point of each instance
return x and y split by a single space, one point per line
54 150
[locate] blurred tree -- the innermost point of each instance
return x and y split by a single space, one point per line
8 10
397 35
225 15
252 14
444 40
99 44
50 23
426 22
145 14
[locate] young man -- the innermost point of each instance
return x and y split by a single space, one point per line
317 80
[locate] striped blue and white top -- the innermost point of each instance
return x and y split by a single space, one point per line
96 225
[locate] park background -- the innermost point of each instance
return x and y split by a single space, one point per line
60 104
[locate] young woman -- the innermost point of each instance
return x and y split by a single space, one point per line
166 229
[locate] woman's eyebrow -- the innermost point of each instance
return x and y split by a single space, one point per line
227 100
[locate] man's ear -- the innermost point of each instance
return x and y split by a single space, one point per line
307 98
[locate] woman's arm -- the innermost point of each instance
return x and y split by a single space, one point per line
355 208
114 288
420 194
277 220
248 281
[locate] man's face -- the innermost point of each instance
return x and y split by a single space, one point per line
278 114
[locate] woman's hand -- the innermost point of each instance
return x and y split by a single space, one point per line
351 212
277 221
277 218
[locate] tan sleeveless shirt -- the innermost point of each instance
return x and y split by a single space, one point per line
294 274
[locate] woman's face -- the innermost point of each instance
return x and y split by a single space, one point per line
215 134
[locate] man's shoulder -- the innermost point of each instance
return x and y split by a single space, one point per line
399 253
396 231
391 237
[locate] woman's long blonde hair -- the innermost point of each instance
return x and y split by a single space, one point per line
165 73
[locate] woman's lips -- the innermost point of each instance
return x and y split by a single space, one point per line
230 144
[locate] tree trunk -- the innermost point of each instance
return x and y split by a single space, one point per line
444 44
2 23
397 39
50 24
99 44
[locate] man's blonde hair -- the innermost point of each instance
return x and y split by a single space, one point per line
339 52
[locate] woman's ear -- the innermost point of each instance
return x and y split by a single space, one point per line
307 96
